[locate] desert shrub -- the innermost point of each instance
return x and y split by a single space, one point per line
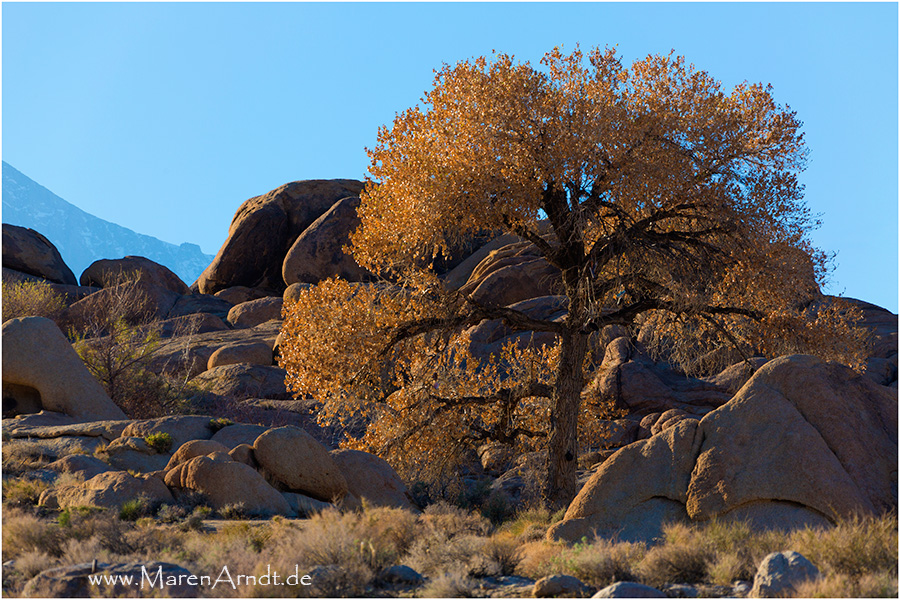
503 550
234 512
20 457
161 442
23 492
882 584
134 509
452 521
115 332
599 562
24 532
674 563
220 423
31 299
31 563
528 525
855 547
449 585
436 553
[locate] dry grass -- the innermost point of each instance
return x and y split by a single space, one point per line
453 548
855 547
837 585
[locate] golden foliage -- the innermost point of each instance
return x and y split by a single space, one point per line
661 198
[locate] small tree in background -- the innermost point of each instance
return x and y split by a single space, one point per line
669 202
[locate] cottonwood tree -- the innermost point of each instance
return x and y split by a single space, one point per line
668 201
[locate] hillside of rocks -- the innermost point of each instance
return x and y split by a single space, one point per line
787 443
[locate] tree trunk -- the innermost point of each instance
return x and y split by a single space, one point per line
562 457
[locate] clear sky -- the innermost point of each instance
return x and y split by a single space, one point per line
164 117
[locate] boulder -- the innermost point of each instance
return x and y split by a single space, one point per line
629 589
139 301
164 579
253 353
29 252
560 586
80 464
190 325
401 574
293 458
253 312
734 377
263 230
232 436
460 274
293 291
104 272
134 454
243 453
629 379
243 381
370 478
54 425
111 490
193 449
191 304
511 274
636 490
239 294
304 506
495 458
227 482
780 573
181 428
318 253
37 356
804 433
490 336
190 355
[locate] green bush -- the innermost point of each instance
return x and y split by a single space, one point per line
161 442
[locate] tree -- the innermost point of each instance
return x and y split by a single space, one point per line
668 201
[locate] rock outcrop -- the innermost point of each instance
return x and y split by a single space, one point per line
42 371
294 459
371 478
104 272
27 251
318 253
263 230
803 442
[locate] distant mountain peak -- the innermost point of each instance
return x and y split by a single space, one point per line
83 238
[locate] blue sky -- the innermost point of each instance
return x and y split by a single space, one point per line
164 117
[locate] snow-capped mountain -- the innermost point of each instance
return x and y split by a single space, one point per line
82 238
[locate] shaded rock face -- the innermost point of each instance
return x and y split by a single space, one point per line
72 581
511 274
802 443
43 369
28 251
263 230
318 253
105 271
255 312
633 381
371 478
